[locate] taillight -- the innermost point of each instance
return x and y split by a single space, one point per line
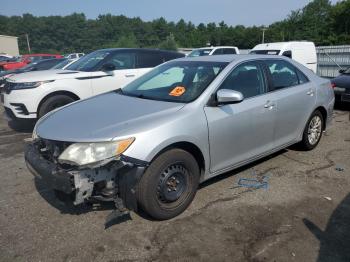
333 85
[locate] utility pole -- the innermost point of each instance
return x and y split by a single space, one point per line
263 35
28 43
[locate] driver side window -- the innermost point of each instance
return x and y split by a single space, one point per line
247 78
121 60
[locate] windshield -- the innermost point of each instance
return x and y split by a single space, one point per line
200 52
265 52
178 81
62 64
88 63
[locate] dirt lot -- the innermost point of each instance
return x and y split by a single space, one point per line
304 214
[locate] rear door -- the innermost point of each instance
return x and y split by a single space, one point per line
125 71
295 96
242 131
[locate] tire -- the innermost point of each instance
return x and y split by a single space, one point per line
175 170
309 143
54 102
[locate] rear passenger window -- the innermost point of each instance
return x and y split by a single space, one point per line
229 51
247 78
146 60
283 74
218 51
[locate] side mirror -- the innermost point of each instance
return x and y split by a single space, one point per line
341 71
227 96
108 67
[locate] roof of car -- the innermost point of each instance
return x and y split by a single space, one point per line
138 49
41 55
212 47
228 58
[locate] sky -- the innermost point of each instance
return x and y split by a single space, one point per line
232 12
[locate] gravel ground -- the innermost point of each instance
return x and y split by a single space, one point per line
303 215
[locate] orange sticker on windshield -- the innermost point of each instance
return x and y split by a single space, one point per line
177 91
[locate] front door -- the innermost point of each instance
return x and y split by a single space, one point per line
238 132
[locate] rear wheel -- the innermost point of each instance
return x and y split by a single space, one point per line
169 184
313 131
54 102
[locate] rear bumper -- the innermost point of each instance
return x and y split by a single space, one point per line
83 185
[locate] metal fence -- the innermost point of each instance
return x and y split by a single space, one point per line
331 59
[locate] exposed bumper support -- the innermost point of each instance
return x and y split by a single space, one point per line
120 176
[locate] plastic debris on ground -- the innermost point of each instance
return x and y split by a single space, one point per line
260 181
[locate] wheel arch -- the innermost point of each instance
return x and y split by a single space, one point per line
67 93
324 113
190 148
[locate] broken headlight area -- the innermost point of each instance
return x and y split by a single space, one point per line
112 180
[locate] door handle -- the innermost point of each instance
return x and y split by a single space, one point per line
310 92
269 105
129 75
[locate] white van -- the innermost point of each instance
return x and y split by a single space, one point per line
214 50
302 52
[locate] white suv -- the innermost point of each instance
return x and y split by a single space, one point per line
217 50
32 95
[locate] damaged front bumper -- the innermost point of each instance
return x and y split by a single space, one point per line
116 181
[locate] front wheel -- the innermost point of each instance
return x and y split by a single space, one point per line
313 131
54 102
169 184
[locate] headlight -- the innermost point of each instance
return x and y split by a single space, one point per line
88 153
28 85
34 134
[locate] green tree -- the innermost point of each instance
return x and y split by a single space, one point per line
319 21
169 43
127 41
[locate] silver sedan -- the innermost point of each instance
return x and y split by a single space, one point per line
149 144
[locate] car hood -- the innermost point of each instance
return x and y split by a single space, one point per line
342 81
8 72
105 117
47 75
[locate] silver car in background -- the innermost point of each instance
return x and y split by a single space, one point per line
150 144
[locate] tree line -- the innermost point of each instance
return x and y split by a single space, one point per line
319 21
